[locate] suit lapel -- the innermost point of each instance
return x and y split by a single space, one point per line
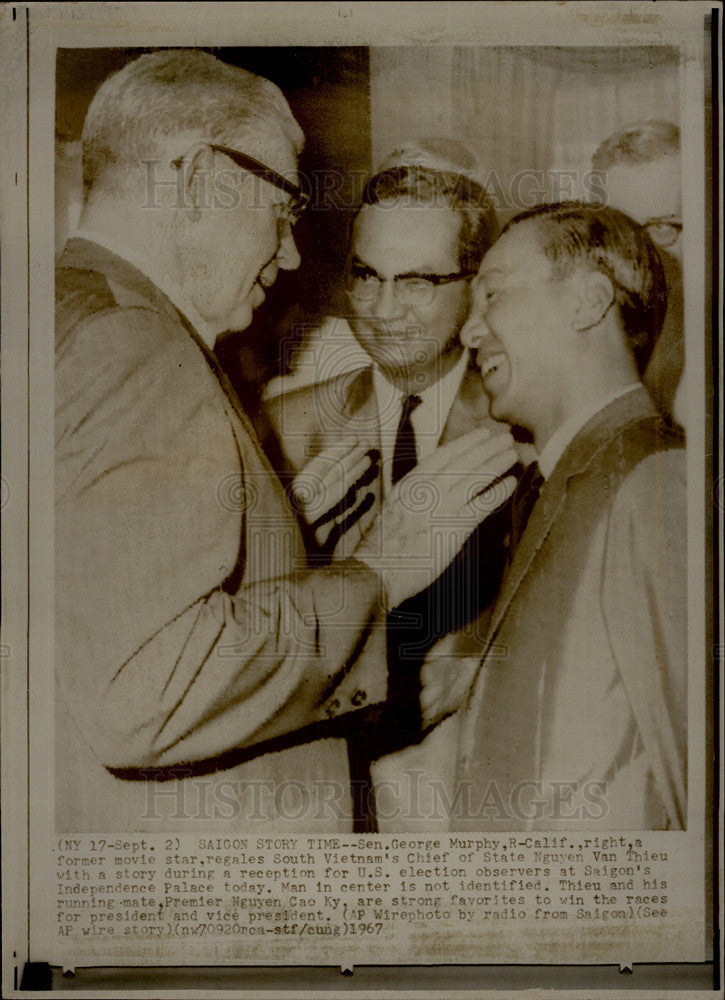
595 435
359 412
545 512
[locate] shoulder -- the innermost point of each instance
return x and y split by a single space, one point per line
88 298
80 295
120 365
646 536
654 493
649 461
632 477
310 404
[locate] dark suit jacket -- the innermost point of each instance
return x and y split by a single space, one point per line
190 633
584 676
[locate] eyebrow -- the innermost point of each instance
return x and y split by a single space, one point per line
357 262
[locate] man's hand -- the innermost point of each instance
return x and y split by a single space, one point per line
445 682
331 488
431 511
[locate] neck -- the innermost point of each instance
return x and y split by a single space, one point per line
583 396
123 225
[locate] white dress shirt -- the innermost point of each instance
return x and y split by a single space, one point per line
428 418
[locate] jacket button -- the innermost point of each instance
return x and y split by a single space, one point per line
359 698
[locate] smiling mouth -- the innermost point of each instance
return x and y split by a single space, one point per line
491 365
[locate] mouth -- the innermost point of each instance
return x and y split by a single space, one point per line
407 333
489 366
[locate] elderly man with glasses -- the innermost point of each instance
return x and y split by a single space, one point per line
192 638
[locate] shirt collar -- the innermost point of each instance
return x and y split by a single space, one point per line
564 435
174 292
444 391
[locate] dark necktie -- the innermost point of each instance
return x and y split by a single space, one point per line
405 456
522 502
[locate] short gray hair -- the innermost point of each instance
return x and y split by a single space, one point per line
171 91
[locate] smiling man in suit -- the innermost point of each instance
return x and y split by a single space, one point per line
418 239
577 716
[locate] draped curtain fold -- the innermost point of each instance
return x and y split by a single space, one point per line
530 115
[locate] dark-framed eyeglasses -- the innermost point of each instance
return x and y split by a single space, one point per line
290 211
664 230
412 289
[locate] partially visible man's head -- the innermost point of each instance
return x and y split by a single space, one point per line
149 141
640 165
570 299
418 237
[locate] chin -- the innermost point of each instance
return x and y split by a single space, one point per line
499 411
241 319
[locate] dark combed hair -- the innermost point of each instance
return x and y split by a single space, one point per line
640 142
426 186
604 239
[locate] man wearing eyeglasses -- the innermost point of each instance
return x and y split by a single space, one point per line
418 237
640 164
197 655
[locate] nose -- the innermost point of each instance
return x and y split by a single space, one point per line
474 330
288 256
387 306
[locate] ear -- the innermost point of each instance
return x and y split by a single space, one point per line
596 297
195 181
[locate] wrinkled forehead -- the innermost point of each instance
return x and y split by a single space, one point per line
408 234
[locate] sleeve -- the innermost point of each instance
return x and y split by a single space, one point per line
159 661
288 427
644 601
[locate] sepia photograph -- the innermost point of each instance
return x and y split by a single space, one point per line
261 501
369 485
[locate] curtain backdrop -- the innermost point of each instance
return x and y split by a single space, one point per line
528 114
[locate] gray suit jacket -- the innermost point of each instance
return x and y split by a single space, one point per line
190 633
577 718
